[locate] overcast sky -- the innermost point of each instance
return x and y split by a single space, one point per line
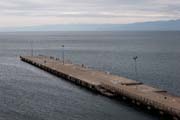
39 12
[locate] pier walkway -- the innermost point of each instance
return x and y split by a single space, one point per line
111 85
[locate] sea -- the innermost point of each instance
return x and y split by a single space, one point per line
28 93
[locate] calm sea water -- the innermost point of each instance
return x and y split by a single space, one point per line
28 93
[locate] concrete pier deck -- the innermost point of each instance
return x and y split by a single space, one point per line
111 85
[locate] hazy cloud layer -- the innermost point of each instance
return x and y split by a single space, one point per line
34 12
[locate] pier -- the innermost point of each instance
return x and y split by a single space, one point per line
131 91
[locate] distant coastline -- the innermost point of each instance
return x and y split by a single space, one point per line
171 25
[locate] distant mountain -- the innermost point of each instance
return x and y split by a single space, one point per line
172 25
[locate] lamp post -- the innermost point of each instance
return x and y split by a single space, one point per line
63 53
135 61
31 43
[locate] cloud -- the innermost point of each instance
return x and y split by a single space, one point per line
31 12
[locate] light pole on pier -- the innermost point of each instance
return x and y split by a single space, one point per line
63 53
135 61
31 42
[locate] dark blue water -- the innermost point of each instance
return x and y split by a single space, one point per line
27 93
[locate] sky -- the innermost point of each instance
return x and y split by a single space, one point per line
18 13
